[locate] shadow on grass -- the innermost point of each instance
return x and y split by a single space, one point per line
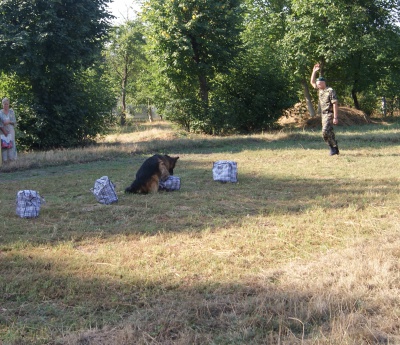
43 305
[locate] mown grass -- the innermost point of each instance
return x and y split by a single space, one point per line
303 250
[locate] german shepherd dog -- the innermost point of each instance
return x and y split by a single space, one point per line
149 174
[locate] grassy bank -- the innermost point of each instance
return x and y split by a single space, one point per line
303 250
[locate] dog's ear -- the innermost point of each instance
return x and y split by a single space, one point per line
174 160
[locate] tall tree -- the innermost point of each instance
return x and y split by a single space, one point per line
49 44
194 40
126 58
344 36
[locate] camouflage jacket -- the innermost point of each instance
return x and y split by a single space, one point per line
326 99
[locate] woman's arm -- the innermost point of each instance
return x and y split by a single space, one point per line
13 120
5 132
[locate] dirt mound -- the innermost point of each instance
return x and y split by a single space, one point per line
298 116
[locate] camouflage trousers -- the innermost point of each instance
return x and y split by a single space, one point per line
327 129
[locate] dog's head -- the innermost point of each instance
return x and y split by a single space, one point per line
170 163
164 173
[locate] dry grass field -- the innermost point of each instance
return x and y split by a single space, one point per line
305 249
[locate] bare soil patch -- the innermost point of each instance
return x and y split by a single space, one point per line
298 116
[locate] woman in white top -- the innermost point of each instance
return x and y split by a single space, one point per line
9 121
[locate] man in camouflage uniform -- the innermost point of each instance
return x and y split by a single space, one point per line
328 104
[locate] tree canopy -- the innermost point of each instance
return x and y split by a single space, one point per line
126 60
192 42
49 45
212 66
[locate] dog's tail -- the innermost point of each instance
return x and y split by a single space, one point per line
133 188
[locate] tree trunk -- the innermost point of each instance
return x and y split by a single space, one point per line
307 97
355 99
384 106
149 112
356 77
203 89
123 95
202 78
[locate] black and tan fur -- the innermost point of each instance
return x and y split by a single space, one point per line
153 169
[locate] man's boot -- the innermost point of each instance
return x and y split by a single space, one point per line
334 150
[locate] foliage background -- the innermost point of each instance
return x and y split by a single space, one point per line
53 49
211 67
